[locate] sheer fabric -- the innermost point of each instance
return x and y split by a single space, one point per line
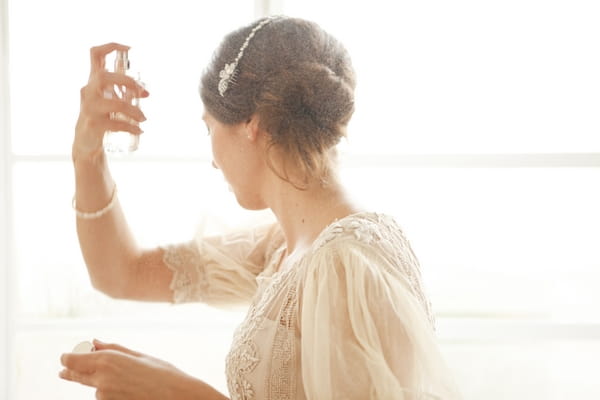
349 320
221 270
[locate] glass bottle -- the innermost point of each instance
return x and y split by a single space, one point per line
122 142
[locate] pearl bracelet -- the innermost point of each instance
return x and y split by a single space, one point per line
99 213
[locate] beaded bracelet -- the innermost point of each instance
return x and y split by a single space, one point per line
99 213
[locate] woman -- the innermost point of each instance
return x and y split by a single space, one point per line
337 309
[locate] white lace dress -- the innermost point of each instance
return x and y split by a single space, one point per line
349 320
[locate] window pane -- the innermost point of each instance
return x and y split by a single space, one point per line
521 242
469 76
171 44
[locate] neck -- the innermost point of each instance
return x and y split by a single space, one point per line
303 214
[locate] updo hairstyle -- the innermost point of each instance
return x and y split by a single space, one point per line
300 83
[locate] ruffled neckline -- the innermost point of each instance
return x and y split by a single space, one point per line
330 232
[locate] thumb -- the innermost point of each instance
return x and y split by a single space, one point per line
99 345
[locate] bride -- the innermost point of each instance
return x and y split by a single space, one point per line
336 303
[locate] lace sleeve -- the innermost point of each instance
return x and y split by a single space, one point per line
189 280
364 333
220 270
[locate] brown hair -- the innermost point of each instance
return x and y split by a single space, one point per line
300 82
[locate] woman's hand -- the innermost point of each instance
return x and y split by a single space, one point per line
97 105
120 373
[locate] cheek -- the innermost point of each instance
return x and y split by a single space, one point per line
214 153
217 152
225 157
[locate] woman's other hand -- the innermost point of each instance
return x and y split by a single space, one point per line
120 373
98 103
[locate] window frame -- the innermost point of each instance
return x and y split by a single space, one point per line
6 273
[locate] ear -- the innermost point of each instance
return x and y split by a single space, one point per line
252 128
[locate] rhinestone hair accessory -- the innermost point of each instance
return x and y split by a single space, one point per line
229 71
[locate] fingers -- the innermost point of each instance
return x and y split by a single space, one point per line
113 346
99 96
81 363
99 114
98 55
103 107
108 103
102 80
74 376
111 78
123 126
100 125
106 125
91 369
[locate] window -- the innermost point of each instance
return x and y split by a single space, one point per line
476 126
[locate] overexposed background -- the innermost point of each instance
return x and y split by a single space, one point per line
477 127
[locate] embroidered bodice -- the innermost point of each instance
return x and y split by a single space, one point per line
348 320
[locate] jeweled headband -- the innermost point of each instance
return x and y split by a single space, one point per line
228 72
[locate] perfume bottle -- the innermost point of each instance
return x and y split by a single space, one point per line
122 142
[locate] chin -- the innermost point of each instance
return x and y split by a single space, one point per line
247 203
252 206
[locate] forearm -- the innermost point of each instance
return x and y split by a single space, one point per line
106 242
190 388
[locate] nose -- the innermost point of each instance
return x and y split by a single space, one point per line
214 165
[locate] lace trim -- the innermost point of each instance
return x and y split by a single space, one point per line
282 382
239 387
382 231
243 360
188 284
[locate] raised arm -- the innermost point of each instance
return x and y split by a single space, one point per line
112 256
217 270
